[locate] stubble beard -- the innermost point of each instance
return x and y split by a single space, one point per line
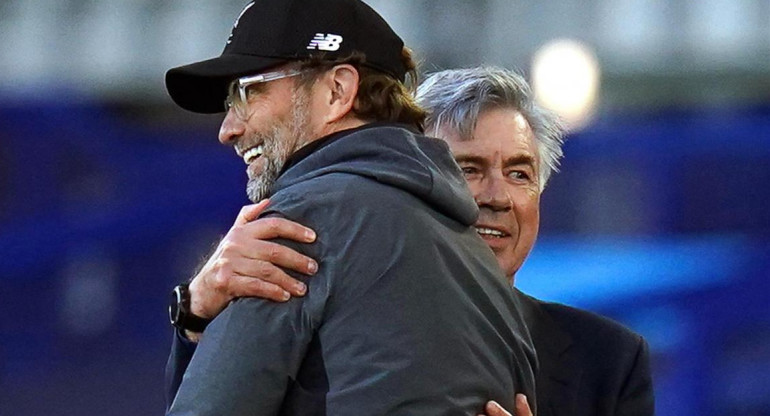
283 139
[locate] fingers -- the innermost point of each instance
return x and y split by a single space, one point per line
251 212
246 249
522 406
247 286
267 272
273 227
255 258
245 265
223 279
276 227
279 255
494 409
229 272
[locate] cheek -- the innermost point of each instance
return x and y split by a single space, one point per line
528 217
258 121
527 204
474 186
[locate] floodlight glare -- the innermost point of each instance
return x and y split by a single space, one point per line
565 79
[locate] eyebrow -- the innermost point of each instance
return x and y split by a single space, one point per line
469 159
520 159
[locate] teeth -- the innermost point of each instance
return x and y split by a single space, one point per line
489 231
251 154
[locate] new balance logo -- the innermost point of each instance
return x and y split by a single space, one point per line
326 42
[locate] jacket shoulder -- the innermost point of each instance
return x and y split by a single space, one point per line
583 324
600 367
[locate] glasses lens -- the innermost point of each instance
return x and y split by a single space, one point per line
233 101
228 103
237 91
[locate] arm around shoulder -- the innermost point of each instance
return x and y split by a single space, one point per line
181 353
247 358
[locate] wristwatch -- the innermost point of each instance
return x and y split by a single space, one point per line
179 311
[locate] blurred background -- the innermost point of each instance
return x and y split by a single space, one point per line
110 196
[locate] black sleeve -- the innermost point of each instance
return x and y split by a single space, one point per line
181 353
637 397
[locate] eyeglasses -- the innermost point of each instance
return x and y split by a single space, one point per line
237 91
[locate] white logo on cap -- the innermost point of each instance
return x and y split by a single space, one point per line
327 42
238 19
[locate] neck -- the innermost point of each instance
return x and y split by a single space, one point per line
345 123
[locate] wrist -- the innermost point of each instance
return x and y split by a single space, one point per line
193 337
196 307
180 313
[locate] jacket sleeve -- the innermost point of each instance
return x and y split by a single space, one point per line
181 353
248 355
637 397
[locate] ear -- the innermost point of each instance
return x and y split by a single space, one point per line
342 84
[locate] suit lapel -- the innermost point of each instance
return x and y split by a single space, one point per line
558 375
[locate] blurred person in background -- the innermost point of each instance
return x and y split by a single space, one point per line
507 148
404 289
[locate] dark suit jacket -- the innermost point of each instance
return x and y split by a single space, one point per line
589 365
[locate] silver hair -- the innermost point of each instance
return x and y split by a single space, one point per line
455 98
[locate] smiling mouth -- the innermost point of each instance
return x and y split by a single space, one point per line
490 232
252 154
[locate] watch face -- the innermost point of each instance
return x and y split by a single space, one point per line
174 306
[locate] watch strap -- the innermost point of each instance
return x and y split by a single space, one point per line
179 311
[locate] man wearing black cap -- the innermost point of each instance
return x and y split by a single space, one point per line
408 312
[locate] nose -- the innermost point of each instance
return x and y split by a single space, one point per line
231 129
494 195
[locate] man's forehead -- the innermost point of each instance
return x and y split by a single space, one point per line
502 122
503 133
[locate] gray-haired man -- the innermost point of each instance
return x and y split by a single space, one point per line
507 148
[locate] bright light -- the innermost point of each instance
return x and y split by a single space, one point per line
565 79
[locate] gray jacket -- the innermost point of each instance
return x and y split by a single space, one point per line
408 314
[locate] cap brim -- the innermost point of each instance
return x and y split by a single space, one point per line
202 87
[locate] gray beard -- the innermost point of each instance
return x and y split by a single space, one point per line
282 141
261 187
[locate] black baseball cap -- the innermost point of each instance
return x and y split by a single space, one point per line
271 32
